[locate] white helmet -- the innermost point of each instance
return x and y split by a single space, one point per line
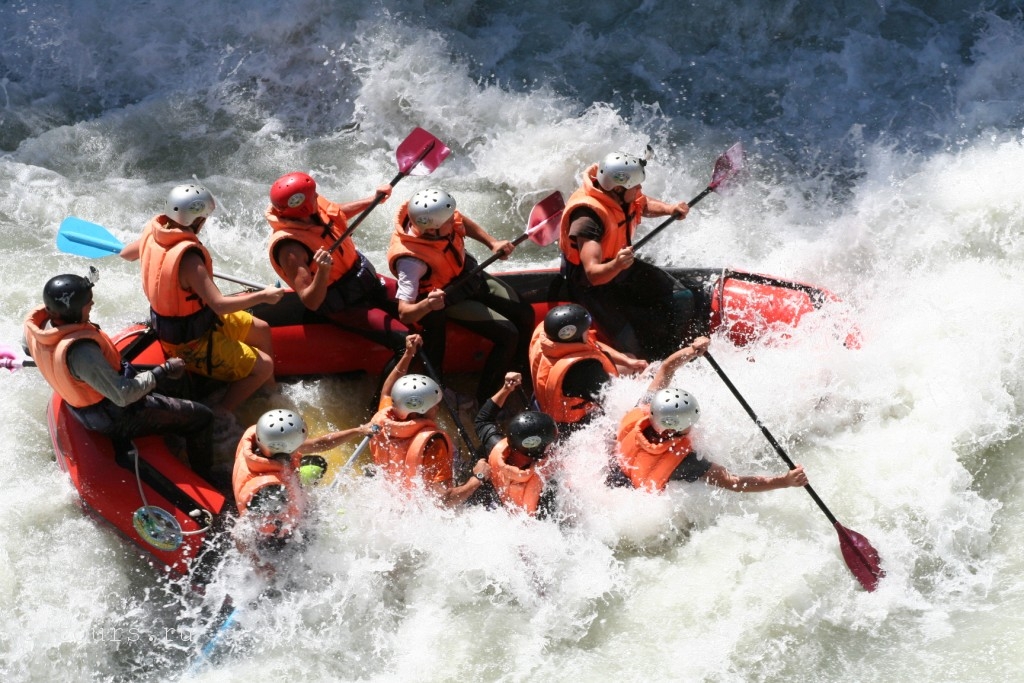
415 394
431 208
674 409
280 431
619 169
186 203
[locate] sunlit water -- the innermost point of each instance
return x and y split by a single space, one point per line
885 156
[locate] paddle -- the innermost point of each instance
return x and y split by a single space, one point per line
82 238
542 230
726 168
419 154
859 554
358 451
12 359
452 411
204 654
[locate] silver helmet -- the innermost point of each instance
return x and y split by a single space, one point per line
280 431
431 208
619 169
415 394
674 410
186 203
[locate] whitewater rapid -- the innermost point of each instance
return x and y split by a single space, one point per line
885 143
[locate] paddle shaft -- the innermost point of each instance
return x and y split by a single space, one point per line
461 279
110 244
356 453
453 411
671 219
380 197
768 435
14 363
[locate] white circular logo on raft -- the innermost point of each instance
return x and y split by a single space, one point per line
296 200
566 333
531 442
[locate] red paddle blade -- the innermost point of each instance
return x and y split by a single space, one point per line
727 167
545 218
420 153
861 557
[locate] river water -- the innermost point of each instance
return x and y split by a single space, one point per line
885 145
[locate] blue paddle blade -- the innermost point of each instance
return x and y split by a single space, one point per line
80 237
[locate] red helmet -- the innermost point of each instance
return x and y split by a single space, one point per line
294 195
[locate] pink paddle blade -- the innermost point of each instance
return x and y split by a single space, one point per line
727 167
420 153
545 218
861 557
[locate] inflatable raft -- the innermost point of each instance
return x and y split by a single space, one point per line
172 515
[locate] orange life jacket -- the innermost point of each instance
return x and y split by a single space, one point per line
49 347
516 481
252 472
178 315
445 259
314 237
550 361
399 447
648 465
618 226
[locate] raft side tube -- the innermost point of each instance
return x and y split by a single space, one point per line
746 306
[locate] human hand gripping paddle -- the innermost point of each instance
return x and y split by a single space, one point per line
419 154
542 229
726 168
860 556
82 238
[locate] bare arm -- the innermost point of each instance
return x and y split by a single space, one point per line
329 441
358 206
413 342
413 311
656 207
194 277
723 478
473 229
626 365
601 273
131 251
457 495
311 287
663 376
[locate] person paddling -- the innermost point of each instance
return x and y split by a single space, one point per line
570 367
214 334
428 254
82 364
409 447
645 312
273 463
654 444
341 285
517 456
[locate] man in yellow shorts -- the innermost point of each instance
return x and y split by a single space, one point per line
212 333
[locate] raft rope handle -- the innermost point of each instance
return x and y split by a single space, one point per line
207 516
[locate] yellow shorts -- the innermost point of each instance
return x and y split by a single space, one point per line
221 354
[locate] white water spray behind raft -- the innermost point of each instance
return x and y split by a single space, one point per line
885 152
